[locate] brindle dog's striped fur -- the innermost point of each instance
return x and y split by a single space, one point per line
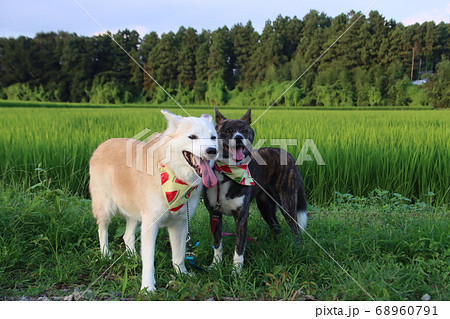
277 183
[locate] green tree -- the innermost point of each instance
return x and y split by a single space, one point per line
16 60
265 64
221 59
369 65
217 93
162 63
201 67
148 45
189 42
438 86
244 41
77 66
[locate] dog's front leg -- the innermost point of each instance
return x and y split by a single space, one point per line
148 240
216 226
177 234
241 220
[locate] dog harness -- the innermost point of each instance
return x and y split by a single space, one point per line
176 192
238 173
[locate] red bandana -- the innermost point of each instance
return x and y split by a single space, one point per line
176 192
238 173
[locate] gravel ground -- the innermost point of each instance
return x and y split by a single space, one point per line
82 295
66 295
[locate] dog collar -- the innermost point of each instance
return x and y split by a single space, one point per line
176 192
238 173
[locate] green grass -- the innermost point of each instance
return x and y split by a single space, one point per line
402 151
171 104
395 246
394 249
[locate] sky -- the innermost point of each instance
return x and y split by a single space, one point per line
28 17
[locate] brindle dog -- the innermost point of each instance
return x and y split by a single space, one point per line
277 182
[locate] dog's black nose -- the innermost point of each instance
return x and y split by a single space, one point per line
211 151
238 137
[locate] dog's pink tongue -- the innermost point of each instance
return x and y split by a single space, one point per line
208 177
238 155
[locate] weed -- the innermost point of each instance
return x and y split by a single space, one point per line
394 252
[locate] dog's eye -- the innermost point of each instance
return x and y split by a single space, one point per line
229 130
193 137
213 138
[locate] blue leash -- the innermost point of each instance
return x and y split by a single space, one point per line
190 255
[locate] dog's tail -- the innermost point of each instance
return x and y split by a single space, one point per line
302 217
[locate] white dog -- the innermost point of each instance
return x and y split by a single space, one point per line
157 182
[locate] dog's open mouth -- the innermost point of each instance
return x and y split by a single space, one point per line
237 153
202 169
190 158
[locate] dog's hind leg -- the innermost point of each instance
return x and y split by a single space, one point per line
103 208
129 237
103 224
289 210
268 210
103 214
217 234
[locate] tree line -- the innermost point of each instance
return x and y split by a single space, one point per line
372 64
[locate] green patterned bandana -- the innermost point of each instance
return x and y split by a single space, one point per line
238 173
176 192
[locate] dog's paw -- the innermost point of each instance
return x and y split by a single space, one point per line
106 254
148 289
131 252
213 266
237 269
216 261
238 262
190 274
180 269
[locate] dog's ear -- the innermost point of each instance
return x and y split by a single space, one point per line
172 119
247 116
207 117
219 117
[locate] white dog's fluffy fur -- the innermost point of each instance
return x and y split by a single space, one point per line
135 190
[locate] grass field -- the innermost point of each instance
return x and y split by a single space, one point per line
396 247
403 151
170 104
393 250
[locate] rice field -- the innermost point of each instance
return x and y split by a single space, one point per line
395 249
406 152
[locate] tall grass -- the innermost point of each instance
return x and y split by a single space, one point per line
406 152
402 151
